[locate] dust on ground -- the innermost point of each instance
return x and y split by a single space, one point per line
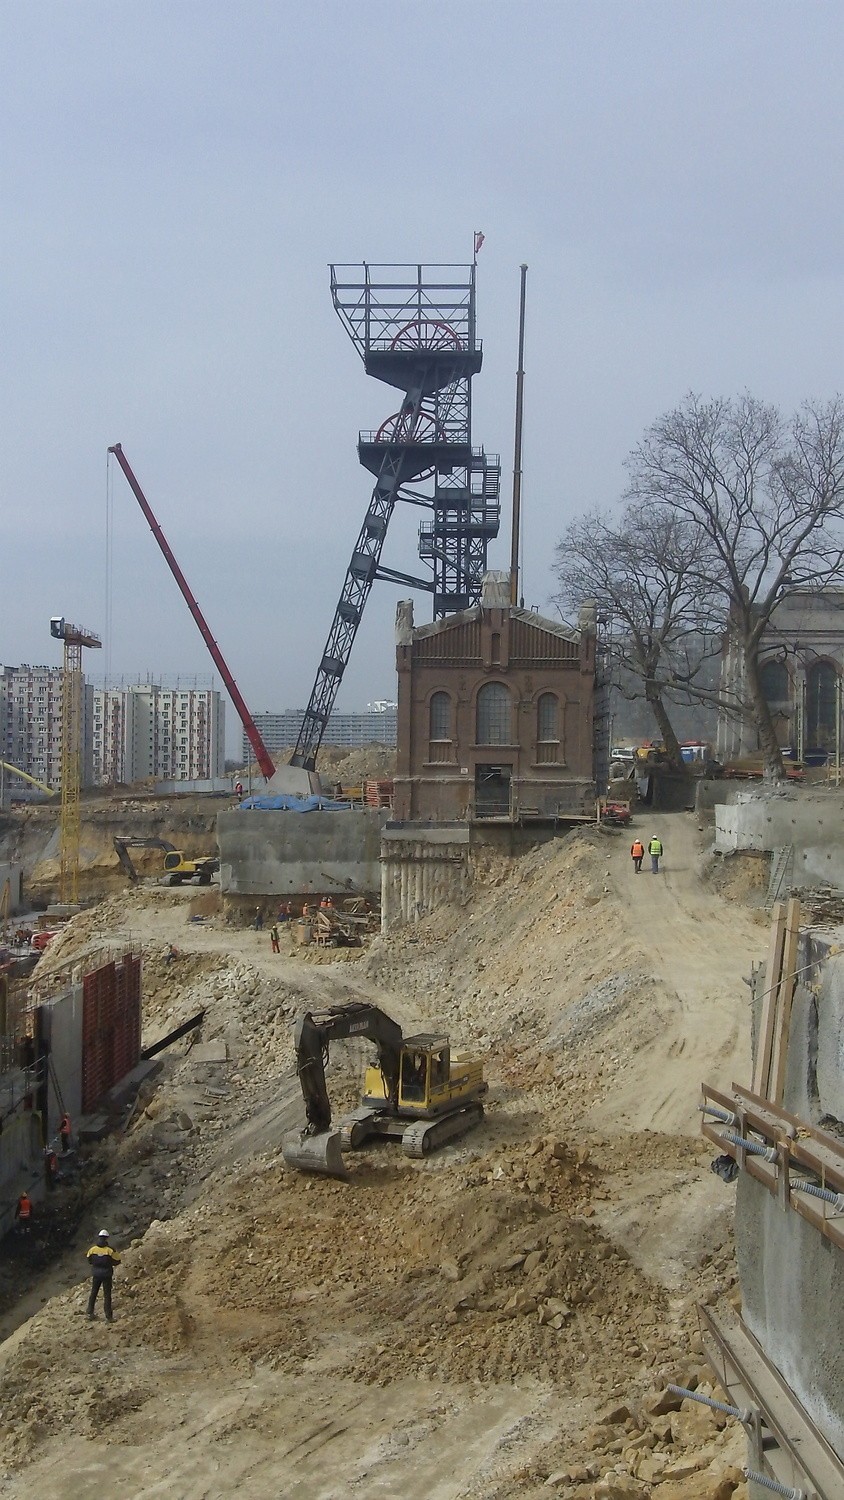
497 1321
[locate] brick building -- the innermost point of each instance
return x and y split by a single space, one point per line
495 713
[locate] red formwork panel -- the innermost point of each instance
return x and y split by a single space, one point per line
111 1027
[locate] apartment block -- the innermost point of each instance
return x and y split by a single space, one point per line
173 734
31 722
374 726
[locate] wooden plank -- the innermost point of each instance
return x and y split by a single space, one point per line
782 1022
773 973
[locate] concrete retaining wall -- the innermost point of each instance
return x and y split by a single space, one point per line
792 1278
421 871
812 827
297 854
61 1027
791 1284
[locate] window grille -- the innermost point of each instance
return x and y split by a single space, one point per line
440 717
494 714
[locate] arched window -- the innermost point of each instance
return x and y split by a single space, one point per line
547 728
494 713
776 685
546 717
820 705
440 717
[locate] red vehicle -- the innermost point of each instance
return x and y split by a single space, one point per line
39 940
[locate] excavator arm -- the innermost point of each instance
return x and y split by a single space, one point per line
122 847
312 1039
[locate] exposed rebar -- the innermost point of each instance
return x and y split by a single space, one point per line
774 1486
744 1414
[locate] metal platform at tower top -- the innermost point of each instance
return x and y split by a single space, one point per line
414 328
381 305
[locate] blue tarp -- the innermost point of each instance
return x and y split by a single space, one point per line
285 803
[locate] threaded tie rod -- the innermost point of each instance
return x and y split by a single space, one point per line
725 1115
773 1486
743 1413
752 1148
836 1199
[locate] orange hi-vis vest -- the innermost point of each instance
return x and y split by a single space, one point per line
24 1207
638 849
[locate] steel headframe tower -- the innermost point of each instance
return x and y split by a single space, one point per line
74 638
414 328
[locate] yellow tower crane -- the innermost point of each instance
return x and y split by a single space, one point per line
74 638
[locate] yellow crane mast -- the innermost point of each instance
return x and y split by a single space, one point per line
74 638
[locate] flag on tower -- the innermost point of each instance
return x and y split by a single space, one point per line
479 239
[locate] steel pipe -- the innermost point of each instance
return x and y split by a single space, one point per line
744 1414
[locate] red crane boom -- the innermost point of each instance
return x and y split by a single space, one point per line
252 734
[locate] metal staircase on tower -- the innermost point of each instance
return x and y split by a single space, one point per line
414 328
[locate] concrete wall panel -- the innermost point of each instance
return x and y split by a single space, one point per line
293 854
791 1279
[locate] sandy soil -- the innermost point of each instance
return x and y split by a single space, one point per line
492 1322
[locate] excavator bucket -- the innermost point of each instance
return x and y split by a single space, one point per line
315 1153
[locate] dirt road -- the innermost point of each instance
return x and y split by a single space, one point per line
699 947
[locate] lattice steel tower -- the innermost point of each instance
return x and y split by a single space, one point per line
414 328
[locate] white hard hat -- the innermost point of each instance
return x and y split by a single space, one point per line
103 1234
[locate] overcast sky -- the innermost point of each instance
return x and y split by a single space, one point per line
176 178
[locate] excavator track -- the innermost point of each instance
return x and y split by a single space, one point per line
426 1136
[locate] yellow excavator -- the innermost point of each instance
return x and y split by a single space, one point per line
178 867
419 1092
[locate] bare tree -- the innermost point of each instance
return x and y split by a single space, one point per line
764 499
642 568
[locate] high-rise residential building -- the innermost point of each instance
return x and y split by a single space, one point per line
31 722
375 726
173 734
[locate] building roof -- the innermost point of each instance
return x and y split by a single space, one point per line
527 616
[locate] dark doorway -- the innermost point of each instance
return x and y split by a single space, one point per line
492 791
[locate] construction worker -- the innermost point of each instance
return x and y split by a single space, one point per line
259 919
238 788
274 938
102 1260
23 1213
65 1131
637 854
655 851
51 1167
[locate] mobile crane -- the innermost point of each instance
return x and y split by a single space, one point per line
419 1092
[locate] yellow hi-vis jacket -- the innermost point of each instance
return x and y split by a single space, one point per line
654 847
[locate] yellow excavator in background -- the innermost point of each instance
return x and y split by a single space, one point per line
420 1092
178 867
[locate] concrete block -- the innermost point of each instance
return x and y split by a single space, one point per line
210 1052
92 1127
